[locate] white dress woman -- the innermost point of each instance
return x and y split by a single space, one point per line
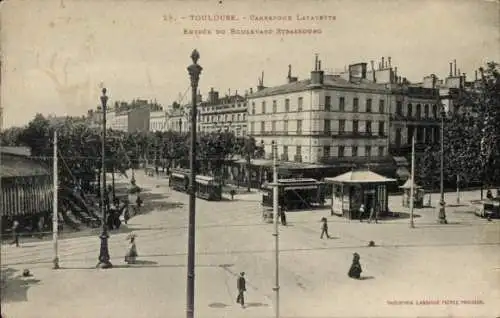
131 254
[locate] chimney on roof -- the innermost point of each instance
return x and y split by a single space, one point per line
374 79
451 69
455 67
383 65
317 76
434 80
251 90
290 78
261 83
475 75
389 61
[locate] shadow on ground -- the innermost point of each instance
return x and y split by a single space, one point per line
14 287
398 216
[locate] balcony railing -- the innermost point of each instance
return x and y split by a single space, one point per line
320 133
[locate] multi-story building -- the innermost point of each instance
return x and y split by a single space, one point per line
417 112
158 120
130 117
223 114
118 120
325 118
178 118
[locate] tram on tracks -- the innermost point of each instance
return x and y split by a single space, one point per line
207 187
296 194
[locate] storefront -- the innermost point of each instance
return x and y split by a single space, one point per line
353 188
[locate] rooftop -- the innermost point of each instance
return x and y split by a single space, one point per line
360 176
330 81
15 165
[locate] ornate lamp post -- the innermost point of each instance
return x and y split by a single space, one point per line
194 74
442 204
104 252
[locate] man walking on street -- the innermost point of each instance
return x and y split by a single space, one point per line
241 285
15 233
324 228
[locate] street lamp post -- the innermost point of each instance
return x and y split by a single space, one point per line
442 204
194 74
104 252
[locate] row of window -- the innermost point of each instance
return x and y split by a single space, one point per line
422 135
341 151
418 110
327 105
226 117
327 126
215 108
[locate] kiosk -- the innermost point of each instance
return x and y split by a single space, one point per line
354 188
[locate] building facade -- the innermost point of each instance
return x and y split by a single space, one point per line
228 113
324 118
158 121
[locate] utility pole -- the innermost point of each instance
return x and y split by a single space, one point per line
458 189
276 236
194 73
412 180
55 212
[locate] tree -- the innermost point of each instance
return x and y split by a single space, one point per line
461 149
427 169
482 103
11 136
37 135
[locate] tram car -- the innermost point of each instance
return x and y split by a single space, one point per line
179 180
295 194
206 187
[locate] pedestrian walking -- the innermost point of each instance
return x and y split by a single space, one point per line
241 285
355 269
15 233
283 216
232 193
324 228
373 215
361 212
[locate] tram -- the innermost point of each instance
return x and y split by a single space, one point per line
206 187
295 194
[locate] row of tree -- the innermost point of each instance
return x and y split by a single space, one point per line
471 137
80 148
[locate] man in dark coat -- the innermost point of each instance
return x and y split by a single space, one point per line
241 285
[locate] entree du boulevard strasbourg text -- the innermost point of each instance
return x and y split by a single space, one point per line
259 18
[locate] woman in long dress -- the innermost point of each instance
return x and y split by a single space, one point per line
131 255
355 270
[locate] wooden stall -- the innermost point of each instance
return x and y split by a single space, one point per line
353 188
26 187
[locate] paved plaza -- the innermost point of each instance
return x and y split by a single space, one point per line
405 274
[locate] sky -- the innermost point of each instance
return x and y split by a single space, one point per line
57 54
